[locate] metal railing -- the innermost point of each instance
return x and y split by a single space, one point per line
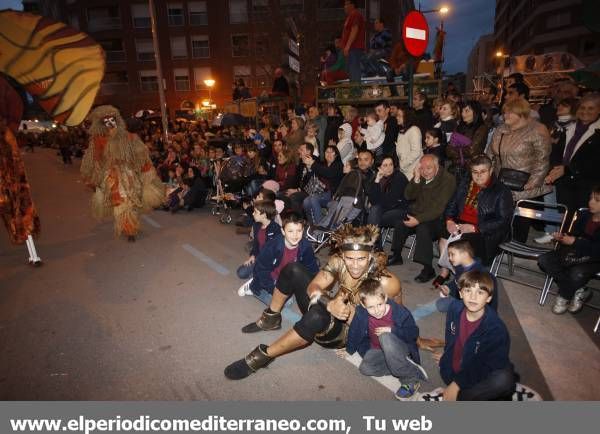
198 19
108 23
200 52
182 84
141 22
115 56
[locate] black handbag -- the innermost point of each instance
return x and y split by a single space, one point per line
512 178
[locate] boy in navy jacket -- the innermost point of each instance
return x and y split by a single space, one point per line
264 229
273 258
385 335
475 363
462 257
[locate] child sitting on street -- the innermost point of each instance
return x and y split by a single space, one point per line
475 363
461 256
276 254
264 230
385 334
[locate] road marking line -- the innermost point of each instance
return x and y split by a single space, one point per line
151 221
206 259
413 33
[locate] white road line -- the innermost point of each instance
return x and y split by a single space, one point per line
206 259
151 221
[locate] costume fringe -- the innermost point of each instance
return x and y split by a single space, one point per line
127 221
153 190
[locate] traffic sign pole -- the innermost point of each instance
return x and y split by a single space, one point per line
415 35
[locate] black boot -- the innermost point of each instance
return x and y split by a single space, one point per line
426 274
394 259
242 368
269 320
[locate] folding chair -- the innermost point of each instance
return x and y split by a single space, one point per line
597 325
548 213
549 281
388 234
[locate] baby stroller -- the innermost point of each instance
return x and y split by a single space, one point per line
339 211
228 183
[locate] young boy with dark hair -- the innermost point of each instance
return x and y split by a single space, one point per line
475 363
263 230
462 257
385 335
277 254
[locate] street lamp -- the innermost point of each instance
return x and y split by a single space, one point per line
209 82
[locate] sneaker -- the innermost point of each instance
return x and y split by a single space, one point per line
245 289
544 239
421 370
434 395
525 393
407 391
580 297
560 305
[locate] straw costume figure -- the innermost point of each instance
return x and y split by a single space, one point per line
117 166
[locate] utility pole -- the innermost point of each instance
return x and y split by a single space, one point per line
161 90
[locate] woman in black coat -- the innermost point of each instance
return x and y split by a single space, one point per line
386 195
480 210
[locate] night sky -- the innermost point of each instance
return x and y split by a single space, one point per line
465 23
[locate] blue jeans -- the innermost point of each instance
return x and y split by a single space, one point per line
550 198
314 204
353 64
244 272
390 359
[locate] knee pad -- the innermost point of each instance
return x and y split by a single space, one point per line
315 321
288 275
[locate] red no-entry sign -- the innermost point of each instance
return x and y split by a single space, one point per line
415 33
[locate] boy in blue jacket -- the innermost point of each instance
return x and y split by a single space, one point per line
475 363
462 257
264 229
272 260
385 335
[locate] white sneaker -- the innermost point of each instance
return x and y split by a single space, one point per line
544 239
580 297
560 305
245 289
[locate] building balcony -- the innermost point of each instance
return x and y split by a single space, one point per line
201 53
108 23
198 19
113 88
115 56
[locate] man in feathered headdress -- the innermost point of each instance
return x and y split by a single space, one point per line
117 165
327 300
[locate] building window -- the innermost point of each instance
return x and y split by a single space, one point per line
374 10
178 47
113 49
238 11
200 74
260 10
244 72
114 82
200 46
104 18
240 45
198 13
148 81
558 20
264 74
291 6
144 50
175 14
182 79
140 13
261 44
74 21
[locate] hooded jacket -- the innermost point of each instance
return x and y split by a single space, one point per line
345 145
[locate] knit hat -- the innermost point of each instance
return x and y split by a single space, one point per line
271 185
